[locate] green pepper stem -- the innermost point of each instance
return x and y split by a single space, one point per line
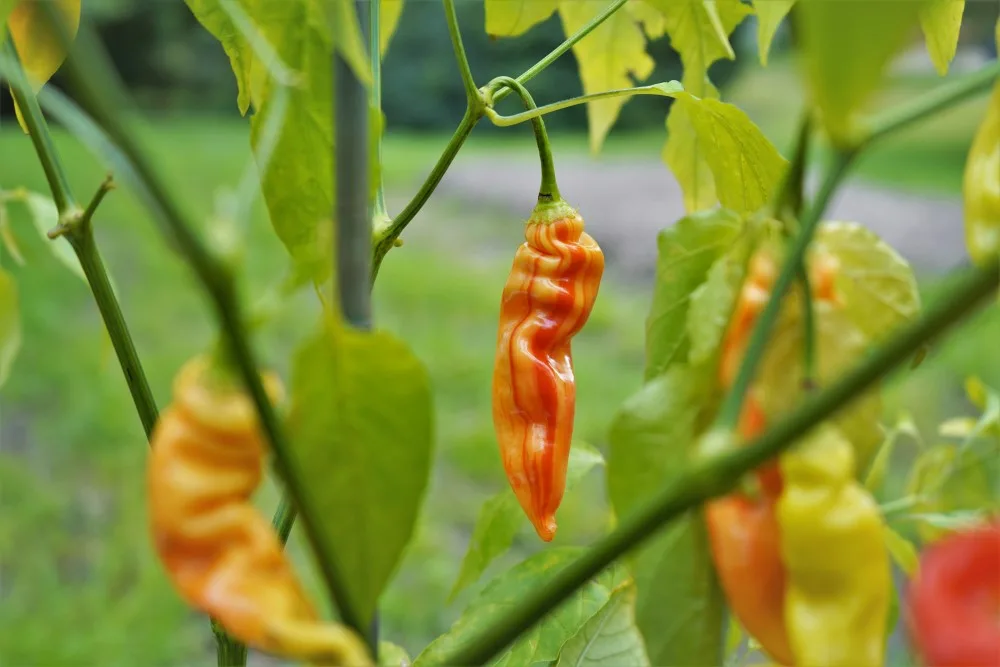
468 81
570 41
549 190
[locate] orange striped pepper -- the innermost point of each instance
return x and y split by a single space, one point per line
547 299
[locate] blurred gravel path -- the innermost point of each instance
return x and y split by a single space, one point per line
626 202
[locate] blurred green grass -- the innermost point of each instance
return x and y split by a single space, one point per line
75 554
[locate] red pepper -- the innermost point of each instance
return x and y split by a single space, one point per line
953 606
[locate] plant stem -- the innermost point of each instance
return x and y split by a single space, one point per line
718 475
375 58
352 243
930 103
808 331
729 413
548 190
540 66
386 237
471 92
41 138
90 75
77 226
667 89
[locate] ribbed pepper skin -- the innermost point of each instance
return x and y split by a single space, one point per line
547 299
836 563
221 554
953 602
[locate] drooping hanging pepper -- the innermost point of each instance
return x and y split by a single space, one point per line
981 186
953 602
220 553
547 299
836 562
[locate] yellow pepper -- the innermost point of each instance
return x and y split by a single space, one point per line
838 572
981 186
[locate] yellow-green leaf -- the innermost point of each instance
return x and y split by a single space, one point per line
10 325
38 41
608 58
699 31
610 638
846 47
877 285
981 186
770 14
941 21
6 7
745 166
683 153
902 551
510 18
214 18
390 13
652 19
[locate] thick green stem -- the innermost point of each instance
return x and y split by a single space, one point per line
41 138
375 58
77 226
386 237
729 413
540 66
468 81
808 331
549 190
718 475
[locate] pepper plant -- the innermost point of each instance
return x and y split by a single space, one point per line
741 473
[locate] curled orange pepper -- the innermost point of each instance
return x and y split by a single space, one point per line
547 299
220 553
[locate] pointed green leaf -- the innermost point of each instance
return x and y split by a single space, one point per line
214 18
683 154
543 641
713 301
651 440
510 18
902 551
297 180
745 165
501 517
843 79
390 12
609 639
361 423
941 21
686 253
609 58
877 285
770 14
10 325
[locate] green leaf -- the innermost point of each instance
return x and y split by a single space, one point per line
687 251
214 18
609 639
651 18
902 551
878 286
699 32
505 592
510 18
608 58
6 7
679 603
10 325
392 655
501 517
683 154
713 301
297 180
390 12
842 78
361 422
46 218
770 14
941 21
746 167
